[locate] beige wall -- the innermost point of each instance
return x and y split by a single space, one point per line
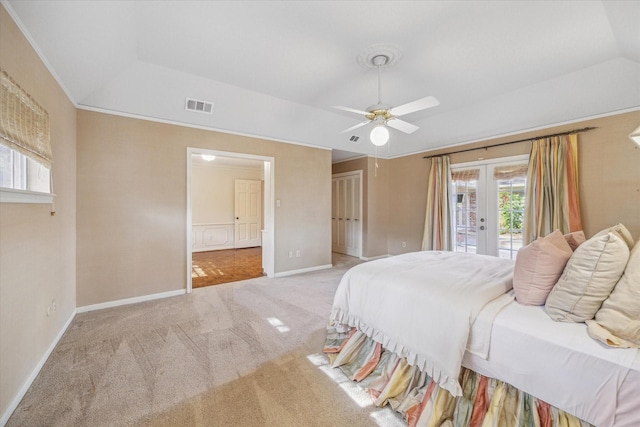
213 191
132 198
609 168
37 250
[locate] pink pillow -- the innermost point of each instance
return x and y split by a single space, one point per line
538 267
575 239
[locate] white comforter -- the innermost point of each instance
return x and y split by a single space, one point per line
421 305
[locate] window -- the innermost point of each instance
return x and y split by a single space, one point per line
489 199
465 198
25 147
511 216
18 172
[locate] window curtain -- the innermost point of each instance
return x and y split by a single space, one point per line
552 200
438 222
24 125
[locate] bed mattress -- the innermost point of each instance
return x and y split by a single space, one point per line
560 364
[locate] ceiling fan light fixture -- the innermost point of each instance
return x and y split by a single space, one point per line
379 135
635 136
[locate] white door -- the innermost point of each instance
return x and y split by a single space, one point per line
488 200
346 213
248 213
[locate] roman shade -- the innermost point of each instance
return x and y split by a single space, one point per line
510 172
24 125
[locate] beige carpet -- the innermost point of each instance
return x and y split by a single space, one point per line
239 354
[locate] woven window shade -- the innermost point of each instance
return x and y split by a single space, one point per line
24 125
465 175
510 172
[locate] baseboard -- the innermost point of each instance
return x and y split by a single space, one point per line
303 270
374 257
133 300
25 387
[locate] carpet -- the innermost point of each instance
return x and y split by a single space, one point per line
245 353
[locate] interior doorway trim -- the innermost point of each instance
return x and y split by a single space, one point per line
268 231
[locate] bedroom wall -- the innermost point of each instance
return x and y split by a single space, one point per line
213 201
132 196
37 250
375 220
609 167
213 191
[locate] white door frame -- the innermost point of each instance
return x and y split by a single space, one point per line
268 197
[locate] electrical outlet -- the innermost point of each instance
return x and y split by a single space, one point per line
52 308
404 244
298 253
290 254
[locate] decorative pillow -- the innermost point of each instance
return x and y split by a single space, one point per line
575 239
590 275
538 267
617 323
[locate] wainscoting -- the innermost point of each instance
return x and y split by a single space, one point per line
212 237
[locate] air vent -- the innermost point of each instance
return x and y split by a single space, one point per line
199 106
354 138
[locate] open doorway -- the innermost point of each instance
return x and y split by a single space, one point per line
230 227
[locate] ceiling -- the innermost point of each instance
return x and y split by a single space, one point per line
274 69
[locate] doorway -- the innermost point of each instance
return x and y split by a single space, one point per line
267 231
488 200
346 213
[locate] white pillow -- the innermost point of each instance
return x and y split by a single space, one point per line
590 275
617 323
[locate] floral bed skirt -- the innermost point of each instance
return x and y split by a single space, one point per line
390 380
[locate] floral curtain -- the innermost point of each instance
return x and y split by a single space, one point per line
552 200
438 222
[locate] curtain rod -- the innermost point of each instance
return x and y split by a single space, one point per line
587 129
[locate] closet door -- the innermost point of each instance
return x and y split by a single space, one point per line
346 213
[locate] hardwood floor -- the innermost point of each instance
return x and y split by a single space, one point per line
216 267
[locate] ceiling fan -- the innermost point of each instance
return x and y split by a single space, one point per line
384 115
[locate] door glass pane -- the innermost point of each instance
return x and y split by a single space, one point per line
466 213
510 216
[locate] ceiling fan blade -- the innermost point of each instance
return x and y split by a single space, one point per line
402 126
411 107
351 110
356 126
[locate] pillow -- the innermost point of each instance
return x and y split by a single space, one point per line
590 275
538 267
617 323
575 239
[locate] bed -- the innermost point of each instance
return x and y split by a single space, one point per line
434 333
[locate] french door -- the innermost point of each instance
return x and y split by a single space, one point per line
488 200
